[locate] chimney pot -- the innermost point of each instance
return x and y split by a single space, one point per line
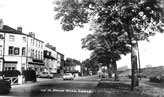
19 29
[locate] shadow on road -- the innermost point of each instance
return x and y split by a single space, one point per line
115 89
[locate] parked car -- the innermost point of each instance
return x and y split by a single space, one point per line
5 86
45 75
68 76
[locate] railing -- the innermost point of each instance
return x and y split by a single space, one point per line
13 80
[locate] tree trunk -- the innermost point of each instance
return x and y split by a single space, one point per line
134 66
109 71
115 71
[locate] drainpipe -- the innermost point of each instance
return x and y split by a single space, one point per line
27 54
3 65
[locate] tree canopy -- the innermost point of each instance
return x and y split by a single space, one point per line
119 24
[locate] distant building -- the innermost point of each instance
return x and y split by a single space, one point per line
35 50
60 63
50 58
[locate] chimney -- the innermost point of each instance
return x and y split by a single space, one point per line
19 29
32 34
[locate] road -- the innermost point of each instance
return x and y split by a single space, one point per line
80 87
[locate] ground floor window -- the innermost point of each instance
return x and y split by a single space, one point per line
10 66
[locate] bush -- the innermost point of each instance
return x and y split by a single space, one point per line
157 79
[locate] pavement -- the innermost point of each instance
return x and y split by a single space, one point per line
39 80
29 83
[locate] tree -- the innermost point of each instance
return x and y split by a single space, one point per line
90 65
103 52
136 19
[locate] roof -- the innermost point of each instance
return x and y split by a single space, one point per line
8 29
35 38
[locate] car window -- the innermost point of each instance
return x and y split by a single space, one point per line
45 72
68 74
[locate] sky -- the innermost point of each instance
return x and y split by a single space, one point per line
38 16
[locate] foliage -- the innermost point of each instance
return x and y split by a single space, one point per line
116 23
72 13
72 62
157 79
90 65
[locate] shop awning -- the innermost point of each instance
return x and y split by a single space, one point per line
11 62
35 63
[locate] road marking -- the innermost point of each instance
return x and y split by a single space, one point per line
68 90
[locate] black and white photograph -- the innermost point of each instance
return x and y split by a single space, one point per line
81 48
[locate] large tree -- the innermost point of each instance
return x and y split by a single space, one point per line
90 65
136 19
106 49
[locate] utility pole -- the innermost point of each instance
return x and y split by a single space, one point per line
139 63
134 65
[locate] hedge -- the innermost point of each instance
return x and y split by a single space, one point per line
30 75
11 73
157 79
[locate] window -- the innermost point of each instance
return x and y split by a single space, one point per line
36 43
11 50
36 54
23 51
16 51
1 36
1 50
39 55
10 68
11 38
24 39
32 53
41 45
31 41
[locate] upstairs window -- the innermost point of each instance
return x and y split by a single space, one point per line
41 55
1 50
31 41
11 50
24 39
16 51
11 38
32 53
23 51
36 54
1 36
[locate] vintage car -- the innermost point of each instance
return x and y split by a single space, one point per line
45 75
68 76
